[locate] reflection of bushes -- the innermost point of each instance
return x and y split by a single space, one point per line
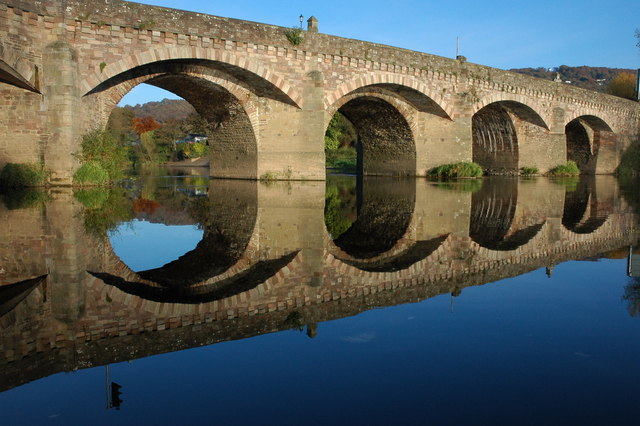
570 183
632 296
463 169
629 191
339 207
463 185
92 198
24 198
22 175
104 209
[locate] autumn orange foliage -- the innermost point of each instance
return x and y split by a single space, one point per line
142 125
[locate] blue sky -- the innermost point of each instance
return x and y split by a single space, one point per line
501 34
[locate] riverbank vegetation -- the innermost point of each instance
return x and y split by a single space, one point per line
340 145
456 170
565 170
630 161
22 175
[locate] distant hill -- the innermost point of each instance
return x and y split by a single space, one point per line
166 109
592 78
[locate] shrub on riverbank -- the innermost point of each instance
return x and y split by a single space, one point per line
456 170
91 174
569 169
528 171
22 175
630 161
101 154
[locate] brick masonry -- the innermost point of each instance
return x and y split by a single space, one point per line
78 59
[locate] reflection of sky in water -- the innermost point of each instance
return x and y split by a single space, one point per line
143 245
529 347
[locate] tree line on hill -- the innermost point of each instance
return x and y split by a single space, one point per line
615 81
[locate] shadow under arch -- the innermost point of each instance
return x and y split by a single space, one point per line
12 294
495 134
385 146
237 284
228 217
493 210
377 240
591 144
582 213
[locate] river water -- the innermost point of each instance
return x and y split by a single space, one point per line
176 299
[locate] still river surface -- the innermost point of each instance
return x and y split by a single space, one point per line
176 299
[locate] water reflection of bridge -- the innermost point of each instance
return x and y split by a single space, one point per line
267 263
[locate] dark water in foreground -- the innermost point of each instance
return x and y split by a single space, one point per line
500 301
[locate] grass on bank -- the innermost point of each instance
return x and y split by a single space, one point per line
457 170
529 171
568 169
342 160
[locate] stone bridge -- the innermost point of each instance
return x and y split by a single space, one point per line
64 65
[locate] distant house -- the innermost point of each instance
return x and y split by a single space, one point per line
193 138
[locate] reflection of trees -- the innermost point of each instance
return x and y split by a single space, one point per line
340 205
629 191
632 296
104 209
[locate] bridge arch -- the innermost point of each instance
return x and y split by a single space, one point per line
415 93
252 71
591 143
16 70
385 126
225 102
498 131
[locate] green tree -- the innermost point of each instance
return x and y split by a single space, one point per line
119 124
167 135
146 150
340 133
194 123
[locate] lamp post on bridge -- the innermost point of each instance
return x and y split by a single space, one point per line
301 19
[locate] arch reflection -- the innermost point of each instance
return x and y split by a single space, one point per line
228 218
583 213
494 224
